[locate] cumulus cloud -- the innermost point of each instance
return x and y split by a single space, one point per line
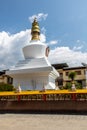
39 17
43 30
78 41
53 42
80 45
11 50
77 48
66 55
11 47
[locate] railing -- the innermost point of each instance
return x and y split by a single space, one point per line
45 96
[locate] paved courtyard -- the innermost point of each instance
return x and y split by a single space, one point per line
42 122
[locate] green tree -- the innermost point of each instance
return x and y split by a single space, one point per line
6 87
78 85
72 76
68 86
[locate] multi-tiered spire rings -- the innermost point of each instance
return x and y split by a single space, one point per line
35 30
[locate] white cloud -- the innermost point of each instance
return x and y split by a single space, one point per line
11 50
77 48
80 45
39 17
42 38
53 42
43 30
11 47
66 55
78 41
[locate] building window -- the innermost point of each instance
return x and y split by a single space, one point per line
10 80
78 72
67 73
84 72
61 74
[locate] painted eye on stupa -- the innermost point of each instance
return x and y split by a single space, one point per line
47 51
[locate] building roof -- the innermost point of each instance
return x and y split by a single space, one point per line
2 72
60 65
73 68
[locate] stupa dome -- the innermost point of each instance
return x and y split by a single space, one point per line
35 49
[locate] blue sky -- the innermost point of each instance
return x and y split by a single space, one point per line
65 28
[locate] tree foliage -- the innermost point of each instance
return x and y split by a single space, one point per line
69 85
72 75
6 87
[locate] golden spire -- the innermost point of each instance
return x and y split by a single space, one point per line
35 31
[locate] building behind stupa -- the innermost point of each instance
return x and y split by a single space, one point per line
35 71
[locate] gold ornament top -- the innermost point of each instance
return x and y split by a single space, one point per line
35 30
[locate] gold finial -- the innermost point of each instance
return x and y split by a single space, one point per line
35 31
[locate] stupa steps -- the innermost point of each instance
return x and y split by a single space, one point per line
39 62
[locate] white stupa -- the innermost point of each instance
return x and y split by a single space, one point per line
34 72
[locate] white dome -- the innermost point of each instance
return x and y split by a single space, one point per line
35 49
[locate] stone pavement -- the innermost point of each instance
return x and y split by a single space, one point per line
42 122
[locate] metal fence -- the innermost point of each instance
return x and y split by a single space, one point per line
46 97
